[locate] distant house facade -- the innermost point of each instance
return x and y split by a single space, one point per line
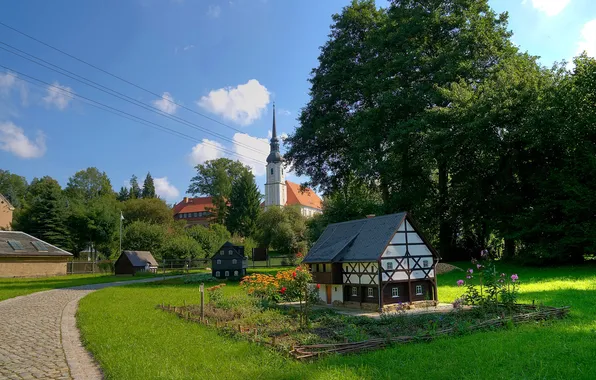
6 210
195 211
133 262
229 262
279 191
374 263
23 255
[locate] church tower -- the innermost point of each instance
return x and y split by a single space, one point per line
275 186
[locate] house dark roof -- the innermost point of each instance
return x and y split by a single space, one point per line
140 258
26 245
238 250
356 240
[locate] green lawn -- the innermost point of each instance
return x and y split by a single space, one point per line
12 287
133 340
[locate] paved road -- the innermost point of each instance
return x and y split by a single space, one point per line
39 338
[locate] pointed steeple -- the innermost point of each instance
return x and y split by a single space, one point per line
274 156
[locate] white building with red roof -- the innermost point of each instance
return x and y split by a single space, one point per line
281 192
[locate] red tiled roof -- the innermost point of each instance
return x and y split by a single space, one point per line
307 198
193 205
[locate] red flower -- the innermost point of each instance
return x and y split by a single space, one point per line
283 290
318 286
294 274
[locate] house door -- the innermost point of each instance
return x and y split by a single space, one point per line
328 288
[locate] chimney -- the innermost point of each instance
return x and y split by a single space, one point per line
370 216
185 199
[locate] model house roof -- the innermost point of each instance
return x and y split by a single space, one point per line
5 201
140 258
356 240
20 244
237 250
306 198
194 205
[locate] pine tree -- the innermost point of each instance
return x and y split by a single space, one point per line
135 190
149 187
244 205
123 194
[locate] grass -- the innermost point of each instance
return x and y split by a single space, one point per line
13 287
133 340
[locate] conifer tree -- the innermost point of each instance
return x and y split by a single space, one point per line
149 187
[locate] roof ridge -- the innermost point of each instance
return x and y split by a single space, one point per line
364 219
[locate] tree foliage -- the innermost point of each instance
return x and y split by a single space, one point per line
245 206
148 187
135 191
13 187
88 184
282 229
215 178
151 210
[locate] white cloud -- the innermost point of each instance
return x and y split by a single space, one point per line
13 140
204 151
165 189
254 151
166 104
188 47
251 151
242 104
587 42
7 82
550 7
283 112
58 96
214 11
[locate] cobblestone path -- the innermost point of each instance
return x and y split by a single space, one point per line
39 338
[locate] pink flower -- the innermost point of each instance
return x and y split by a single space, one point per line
514 277
483 253
460 282
468 277
478 266
470 271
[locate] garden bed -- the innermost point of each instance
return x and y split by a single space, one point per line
332 332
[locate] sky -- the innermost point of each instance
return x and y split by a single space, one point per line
222 63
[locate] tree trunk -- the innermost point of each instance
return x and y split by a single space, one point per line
445 230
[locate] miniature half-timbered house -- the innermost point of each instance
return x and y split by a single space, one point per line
229 262
374 262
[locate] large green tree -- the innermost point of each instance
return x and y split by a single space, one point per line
13 187
135 190
88 184
283 229
45 212
215 178
148 187
151 210
245 206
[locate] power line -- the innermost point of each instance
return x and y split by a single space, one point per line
117 94
118 112
116 76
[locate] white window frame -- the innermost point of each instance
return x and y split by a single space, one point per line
217 274
370 292
235 273
229 252
389 265
419 290
227 273
221 252
218 261
395 292
425 263
234 261
354 291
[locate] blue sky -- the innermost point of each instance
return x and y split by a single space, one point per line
228 60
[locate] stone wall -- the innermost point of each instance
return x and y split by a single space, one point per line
32 266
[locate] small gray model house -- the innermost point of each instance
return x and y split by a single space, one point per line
131 262
374 263
229 262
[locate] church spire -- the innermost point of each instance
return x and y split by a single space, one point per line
274 155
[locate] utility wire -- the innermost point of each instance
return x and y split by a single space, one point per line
107 90
116 111
116 76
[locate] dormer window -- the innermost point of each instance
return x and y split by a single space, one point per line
234 261
221 252
230 252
